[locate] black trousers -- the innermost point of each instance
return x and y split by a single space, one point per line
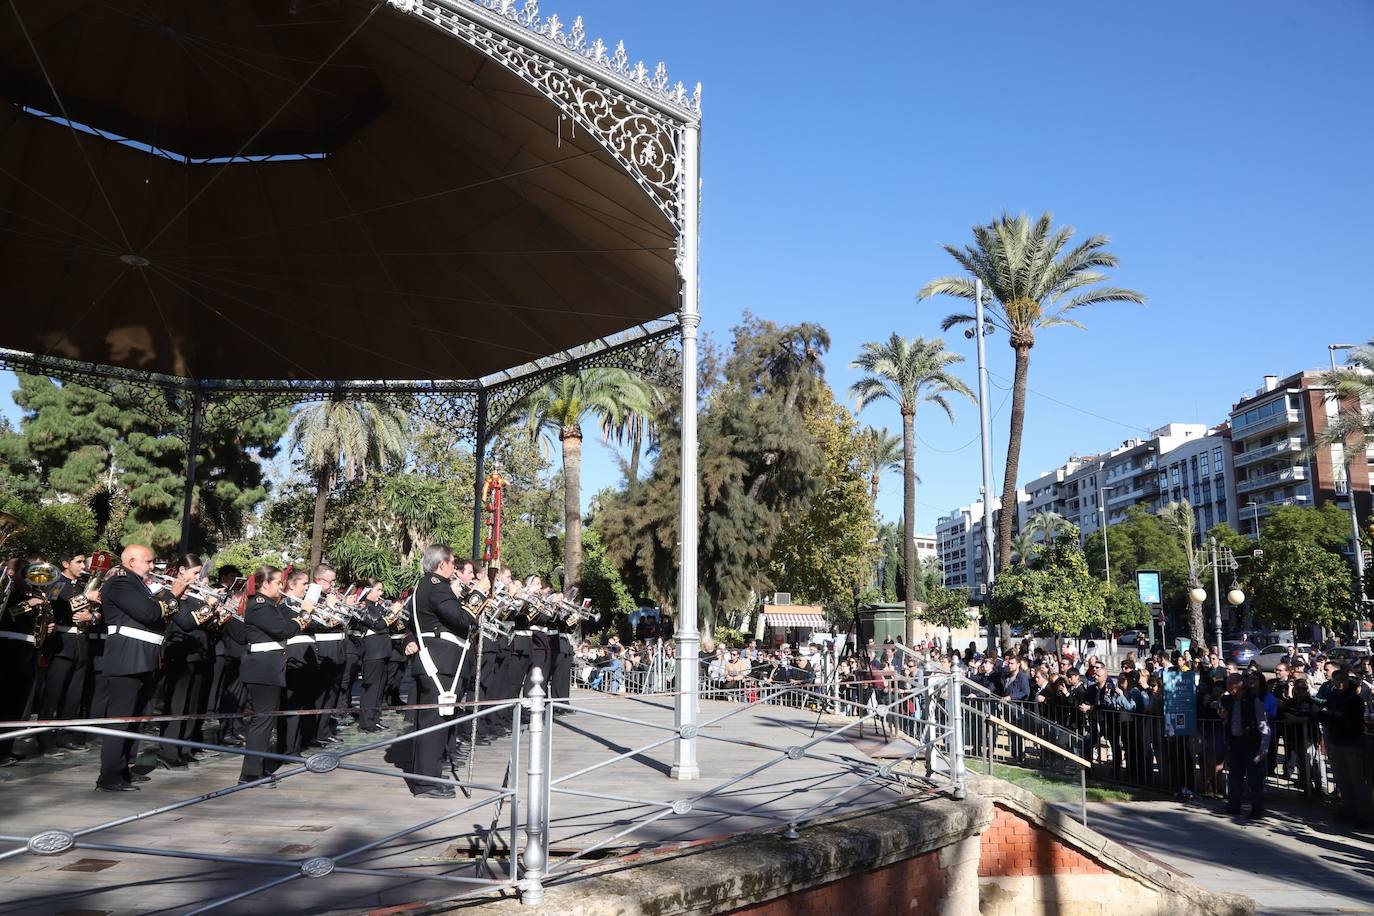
374 688
395 673
352 670
182 690
330 675
428 750
227 695
541 656
129 695
267 700
93 698
64 683
18 667
302 689
560 668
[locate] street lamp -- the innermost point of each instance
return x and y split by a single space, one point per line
1223 555
1251 504
981 329
1350 488
1102 508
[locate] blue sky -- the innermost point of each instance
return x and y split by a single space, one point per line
1224 146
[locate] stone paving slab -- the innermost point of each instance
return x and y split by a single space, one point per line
322 815
1294 860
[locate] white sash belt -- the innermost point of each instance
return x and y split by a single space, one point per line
328 637
266 647
301 641
136 633
68 630
446 636
19 637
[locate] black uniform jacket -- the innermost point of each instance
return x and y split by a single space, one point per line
436 609
378 645
63 643
266 621
126 602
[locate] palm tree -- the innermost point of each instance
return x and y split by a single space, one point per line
1182 521
635 426
1047 524
1352 387
1024 548
344 439
1035 280
798 357
559 408
879 451
908 372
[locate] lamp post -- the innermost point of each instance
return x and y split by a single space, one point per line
981 329
1223 556
1102 509
1251 504
1350 493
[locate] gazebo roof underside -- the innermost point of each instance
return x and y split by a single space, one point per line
456 225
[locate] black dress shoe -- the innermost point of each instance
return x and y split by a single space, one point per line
174 764
435 792
8 760
139 777
115 787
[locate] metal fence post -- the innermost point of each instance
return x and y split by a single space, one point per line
955 738
537 789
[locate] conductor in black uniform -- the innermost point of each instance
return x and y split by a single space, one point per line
133 643
445 661
267 624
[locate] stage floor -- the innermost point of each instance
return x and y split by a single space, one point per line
325 814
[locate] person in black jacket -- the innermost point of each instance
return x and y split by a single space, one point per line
446 665
18 655
268 625
185 651
330 661
64 680
375 652
134 620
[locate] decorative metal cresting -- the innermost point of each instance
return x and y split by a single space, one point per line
928 715
635 113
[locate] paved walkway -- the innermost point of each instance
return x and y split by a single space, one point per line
324 814
1293 861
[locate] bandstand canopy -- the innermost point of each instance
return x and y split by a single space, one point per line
308 190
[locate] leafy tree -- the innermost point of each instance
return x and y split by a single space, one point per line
559 409
946 607
1024 548
908 372
1122 608
1046 524
823 545
1143 541
1035 280
1059 596
1352 387
70 437
880 451
344 439
1300 581
50 530
602 584
1182 521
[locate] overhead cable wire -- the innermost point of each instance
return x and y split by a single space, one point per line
1083 410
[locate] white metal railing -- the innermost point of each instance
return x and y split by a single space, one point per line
1272 478
1282 447
928 713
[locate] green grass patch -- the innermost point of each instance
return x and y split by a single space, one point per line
1054 787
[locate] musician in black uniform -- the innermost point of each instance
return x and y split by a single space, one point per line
363 613
301 674
183 690
64 681
329 660
560 655
18 653
135 620
442 627
375 652
227 695
268 625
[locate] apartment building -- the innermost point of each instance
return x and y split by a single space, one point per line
925 547
959 543
1051 491
1201 471
1271 430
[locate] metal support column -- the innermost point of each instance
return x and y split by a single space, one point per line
685 713
192 446
479 454
985 439
955 737
537 797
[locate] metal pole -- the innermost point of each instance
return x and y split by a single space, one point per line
1106 557
479 453
1350 491
1216 592
985 437
535 857
192 446
685 704
955 758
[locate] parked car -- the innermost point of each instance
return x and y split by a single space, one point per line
1345 654
1233 650
1129 639
1270 656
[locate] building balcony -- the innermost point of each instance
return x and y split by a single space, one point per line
1273 479
1147 490
1272 450
1281 420
1268 506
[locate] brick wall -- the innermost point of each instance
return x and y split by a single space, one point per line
914 885
1013 846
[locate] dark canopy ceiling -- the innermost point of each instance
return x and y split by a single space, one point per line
448 230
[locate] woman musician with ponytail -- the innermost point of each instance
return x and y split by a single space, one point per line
268 624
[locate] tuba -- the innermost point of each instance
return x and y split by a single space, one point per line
38 578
